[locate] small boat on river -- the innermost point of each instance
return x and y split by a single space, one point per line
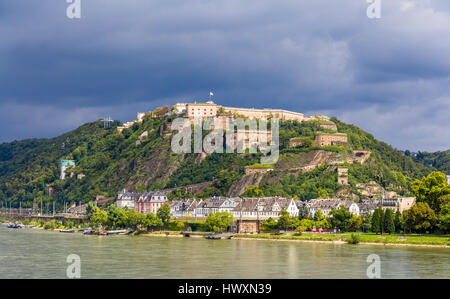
67 230
14 225
219 236
115 232
89 231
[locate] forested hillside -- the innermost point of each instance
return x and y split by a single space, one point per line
438 160
140 158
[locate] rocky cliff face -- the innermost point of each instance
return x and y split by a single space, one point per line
241 185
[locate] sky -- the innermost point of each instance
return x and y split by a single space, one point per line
389 76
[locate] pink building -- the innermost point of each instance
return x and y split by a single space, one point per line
150 202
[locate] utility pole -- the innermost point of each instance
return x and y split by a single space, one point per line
53 208
41 208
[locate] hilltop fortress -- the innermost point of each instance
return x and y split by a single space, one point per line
210 109
249 137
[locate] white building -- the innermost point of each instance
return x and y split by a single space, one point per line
126 199
263 208
184 208
325 205
216 204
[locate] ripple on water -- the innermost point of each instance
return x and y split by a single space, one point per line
32 253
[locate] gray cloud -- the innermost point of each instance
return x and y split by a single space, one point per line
389 76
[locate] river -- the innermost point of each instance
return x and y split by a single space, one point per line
33 253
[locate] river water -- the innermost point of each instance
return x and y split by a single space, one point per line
33 253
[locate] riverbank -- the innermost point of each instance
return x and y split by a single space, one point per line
441 241
432 240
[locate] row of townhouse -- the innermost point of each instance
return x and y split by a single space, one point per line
365 206
147 202
246 208
254 208
326 205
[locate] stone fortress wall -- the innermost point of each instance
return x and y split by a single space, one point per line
266 113
324 139
210 109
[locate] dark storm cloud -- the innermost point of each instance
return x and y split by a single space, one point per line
389 76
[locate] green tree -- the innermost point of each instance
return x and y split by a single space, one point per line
324 223
420 218
303 212
219 221
116 216
254 191
134 219
398 222
308 223
377 221
284 222
430 189
388 221
91 207
366 223
341 218
164 213
140 187
318 215
300 229
356 223
179 225
268 224
153 221
444 217
322 193
99 217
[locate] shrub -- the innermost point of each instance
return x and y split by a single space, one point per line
354 238
40 223
300 229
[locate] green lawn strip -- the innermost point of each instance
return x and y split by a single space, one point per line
365 238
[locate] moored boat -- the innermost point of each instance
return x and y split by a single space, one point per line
14 225
114 232
89 231
67 230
